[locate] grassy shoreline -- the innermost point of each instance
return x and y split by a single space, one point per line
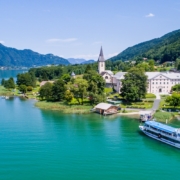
67 109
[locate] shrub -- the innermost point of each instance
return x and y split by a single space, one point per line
150 95
29 88
149 101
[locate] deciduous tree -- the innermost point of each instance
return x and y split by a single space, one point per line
58 90
23 88
68 96
173 100
46 91
134 85
79 89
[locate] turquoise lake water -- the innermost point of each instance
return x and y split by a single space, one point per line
37 144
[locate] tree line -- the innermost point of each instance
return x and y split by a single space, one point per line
90 87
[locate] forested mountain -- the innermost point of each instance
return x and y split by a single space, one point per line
165 48
28 58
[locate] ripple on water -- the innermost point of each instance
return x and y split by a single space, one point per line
36 144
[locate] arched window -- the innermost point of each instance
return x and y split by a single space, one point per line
106 77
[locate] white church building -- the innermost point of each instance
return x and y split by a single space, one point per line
158 82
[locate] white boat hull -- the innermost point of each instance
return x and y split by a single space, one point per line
177 145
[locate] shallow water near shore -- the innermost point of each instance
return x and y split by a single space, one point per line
39 144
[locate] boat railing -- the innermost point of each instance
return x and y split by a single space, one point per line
163 133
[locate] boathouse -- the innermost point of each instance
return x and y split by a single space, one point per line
105 108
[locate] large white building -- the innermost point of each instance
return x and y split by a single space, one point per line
158 82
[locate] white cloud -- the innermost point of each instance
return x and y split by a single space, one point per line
150 15
68 40
2 42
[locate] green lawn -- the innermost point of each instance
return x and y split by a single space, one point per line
144 104
5 92
108 90
162 116
15 92
150 95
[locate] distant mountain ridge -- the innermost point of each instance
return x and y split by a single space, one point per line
28 58
80 61
89 61
165 48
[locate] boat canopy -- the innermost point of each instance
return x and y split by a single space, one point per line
162 127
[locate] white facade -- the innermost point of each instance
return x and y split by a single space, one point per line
162 82
107 76
101 66
158 82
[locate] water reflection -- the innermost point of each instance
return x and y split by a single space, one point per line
159 147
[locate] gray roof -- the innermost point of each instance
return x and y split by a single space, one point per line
107 71
101 56
119 75
151 75
169 75
103 106
162 127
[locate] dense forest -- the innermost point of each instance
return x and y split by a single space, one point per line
53 72
13 57
166 48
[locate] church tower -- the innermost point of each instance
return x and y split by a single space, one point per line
101 62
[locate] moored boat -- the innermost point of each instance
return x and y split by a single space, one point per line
162 132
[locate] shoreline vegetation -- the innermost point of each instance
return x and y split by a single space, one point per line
81 109
86 107
67 109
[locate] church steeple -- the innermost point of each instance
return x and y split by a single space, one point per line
101 62
101 56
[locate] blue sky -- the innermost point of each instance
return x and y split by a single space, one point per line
77 28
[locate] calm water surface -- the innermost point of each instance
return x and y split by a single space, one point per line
36 144
10 73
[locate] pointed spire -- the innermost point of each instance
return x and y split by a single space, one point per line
101 56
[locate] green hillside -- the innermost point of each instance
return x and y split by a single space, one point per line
165 48
28 58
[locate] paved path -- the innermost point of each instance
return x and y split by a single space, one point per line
156 102
155 105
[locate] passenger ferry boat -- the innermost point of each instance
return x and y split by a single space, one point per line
162 132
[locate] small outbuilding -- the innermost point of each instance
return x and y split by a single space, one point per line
106 109
73 75
145 115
